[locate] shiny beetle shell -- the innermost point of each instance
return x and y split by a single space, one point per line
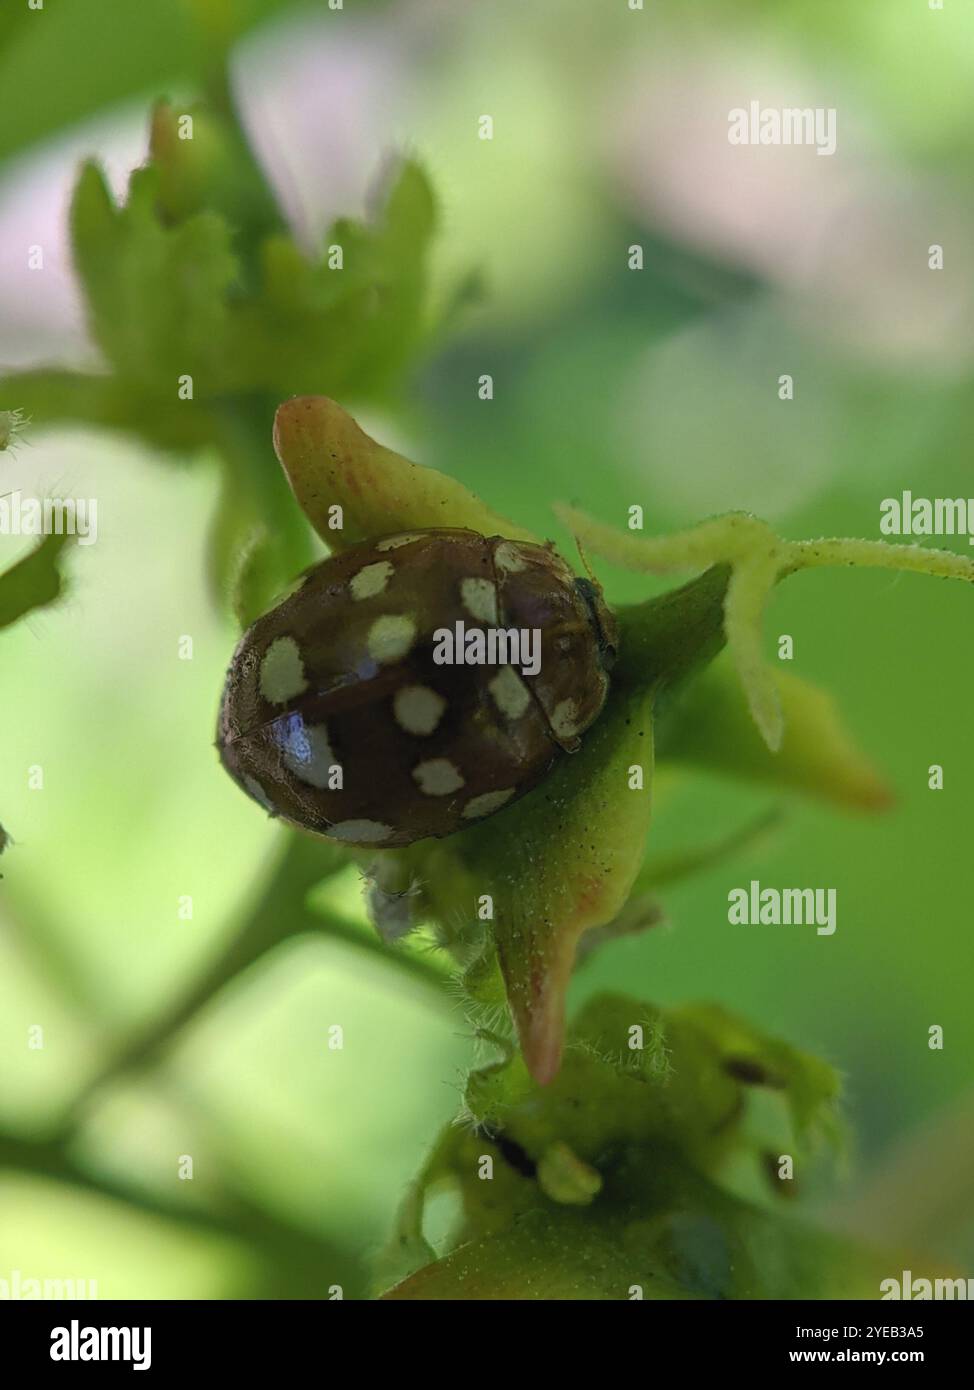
336 717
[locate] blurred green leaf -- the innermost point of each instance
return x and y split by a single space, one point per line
659 871
195 276
32 582
643 908
255 580
351 319
83 55
710 727
156 295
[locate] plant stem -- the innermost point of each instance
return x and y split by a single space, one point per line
278 914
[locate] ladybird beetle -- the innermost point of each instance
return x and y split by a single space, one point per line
414 684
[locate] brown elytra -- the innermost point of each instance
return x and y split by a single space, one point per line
344 714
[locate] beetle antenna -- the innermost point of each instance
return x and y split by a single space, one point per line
584 559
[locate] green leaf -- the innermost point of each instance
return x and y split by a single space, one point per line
156 295
662 870
85 55
32 582
81 56
194 277
643 909
402 241
710 727
351 327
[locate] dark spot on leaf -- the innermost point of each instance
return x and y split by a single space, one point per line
751 1073
515 1156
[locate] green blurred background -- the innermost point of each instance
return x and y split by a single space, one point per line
611 387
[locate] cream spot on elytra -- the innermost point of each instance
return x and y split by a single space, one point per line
508 557
564 719
479 598
306 751
371 580
509 693
486 803
390 637
282 675
438 777
394 542
360 832
418 709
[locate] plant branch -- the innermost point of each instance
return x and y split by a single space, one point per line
279 913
